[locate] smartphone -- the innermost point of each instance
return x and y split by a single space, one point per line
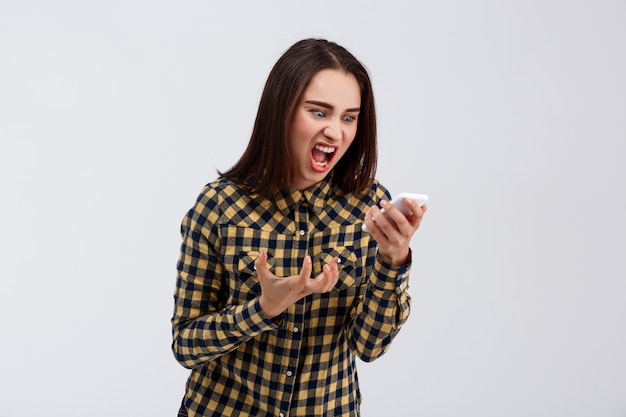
398 202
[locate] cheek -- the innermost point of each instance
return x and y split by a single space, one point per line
302 127
346 144
297 135
350 134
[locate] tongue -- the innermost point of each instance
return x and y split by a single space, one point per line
319 156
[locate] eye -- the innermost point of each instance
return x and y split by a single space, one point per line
349 119
318 113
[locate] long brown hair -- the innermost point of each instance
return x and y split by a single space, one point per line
263 167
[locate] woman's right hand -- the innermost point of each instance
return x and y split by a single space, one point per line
278 293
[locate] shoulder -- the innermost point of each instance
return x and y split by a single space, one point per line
220 190
213 199
374 194
353 206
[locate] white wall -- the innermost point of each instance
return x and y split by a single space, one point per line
510 114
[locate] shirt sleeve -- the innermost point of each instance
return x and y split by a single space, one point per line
381 311
383 305
203 326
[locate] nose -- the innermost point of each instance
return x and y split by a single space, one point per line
333 130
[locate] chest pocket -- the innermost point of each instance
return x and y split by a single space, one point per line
347 265
249 283
350 245
241 246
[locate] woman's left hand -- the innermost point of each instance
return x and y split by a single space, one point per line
393 231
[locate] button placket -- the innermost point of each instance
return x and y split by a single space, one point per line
303 218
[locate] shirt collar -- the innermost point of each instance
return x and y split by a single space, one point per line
315 196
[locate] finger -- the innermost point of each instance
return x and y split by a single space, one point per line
378 216
329 276
397 217
307 268
418 212
369 220
332 276
384 224
260 265
261 261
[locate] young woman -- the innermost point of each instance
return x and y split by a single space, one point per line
278 286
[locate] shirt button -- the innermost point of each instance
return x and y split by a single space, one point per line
281 414
289 373
302 232
295 329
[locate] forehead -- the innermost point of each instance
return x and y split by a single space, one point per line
336 87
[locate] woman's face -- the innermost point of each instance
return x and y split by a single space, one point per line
323 125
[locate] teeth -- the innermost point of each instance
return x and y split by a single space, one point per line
320 164
325 149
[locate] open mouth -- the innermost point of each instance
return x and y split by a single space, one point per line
322 155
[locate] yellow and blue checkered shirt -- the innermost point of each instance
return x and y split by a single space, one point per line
303 362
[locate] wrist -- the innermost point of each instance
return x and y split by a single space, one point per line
397 260
271 312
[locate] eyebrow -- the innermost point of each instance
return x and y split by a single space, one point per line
330 106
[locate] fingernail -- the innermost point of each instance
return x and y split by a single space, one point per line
383 203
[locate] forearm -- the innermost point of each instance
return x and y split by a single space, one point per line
381 312
200 340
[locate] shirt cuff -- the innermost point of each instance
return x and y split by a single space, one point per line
389 277
251 320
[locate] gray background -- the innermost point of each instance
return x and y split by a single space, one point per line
509 114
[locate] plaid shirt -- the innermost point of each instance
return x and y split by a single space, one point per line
303 362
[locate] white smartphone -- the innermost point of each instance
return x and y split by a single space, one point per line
398 202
